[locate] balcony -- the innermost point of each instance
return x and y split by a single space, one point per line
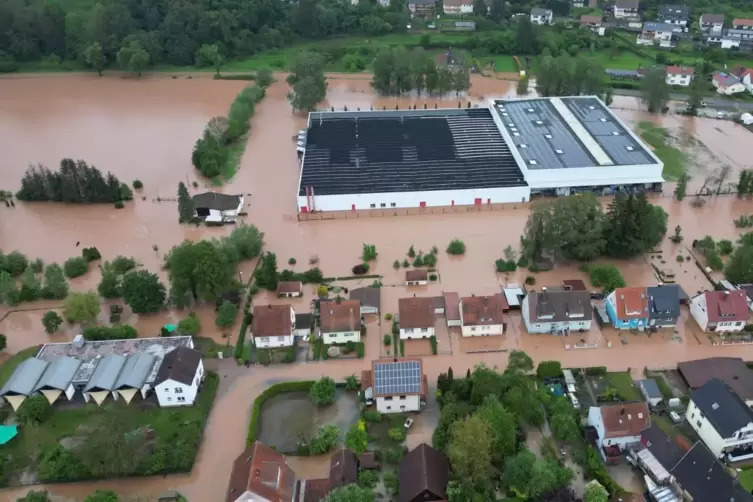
739 453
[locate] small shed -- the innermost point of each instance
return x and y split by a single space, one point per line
513 294
651 392
289 289
370 299
303 325
417 277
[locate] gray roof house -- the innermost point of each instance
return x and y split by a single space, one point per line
674 14
557 312
370 298
132 377
58 378
663 305
21 383
104 377
650 391
722 407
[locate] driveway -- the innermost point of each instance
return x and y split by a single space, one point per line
424 423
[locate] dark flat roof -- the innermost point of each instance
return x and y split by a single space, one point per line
551 142
731 370
406 151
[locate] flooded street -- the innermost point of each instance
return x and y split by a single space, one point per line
145 129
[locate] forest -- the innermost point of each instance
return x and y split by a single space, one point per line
74 182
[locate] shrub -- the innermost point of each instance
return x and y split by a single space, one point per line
361 269
270 392
37 265
680 258
406 263
372 416
322 393
396 264
607 277
433 342
189 326
418 261
402 347
397 434
387 340
119 205
393 455
123 332
291 261
369 252
549 369
75 267
411 252
368 478
91 254
122 264
430 260
530 280
34 410
137 184
433 277
322 291
392 482
456 247
596 371
51 321
505 265
387 316
725 247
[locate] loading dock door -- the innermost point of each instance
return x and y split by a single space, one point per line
477 201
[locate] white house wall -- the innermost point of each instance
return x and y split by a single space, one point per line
70 391
416 333
486 330
434 198
168 397
341 337
271 342
398 404
705 430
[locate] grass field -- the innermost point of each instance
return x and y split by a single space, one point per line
623 383
746 479
9 366
673 158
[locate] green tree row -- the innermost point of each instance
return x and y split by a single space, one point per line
73 182
398 71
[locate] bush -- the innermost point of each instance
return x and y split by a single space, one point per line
397 434
122 332
360 350
372 416
387 316
322 393
137 184
402 347
34 410
387 340
396 264
270 392
456 247
433 277
291 261
392 482
122 264
530 280
549 369
91 254
393 455
368 478
725 247
411 252
75 267
433 342
406 263
361 269
369 252
596 371
189 326
119 205
418 261
505 265
322 291
430 260
607 277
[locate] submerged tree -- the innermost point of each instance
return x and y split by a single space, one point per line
186 208
633 226
655 90
73 182
308 81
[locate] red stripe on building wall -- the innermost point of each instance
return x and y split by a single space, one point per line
304 209
352 207
422 204
477 201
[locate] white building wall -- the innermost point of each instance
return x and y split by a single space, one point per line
69 392
698 311
485 330
435 198
271 342
594 419
398 404
704 429
341 337
305 332
681 80
730 43
416 333
172 393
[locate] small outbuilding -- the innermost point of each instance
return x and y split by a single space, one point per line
370 299
289 289
417 277
651 392
217 208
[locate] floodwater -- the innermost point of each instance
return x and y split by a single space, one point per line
145 129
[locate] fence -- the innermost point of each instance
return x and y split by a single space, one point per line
410 211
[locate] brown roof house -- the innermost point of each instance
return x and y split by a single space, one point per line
178 378
343 470
424 474
273 326
370 298
731 370
340 321
289 289
416 317
417 277
557 312
260 473
590 21
397 386
619 426
720 311
483 315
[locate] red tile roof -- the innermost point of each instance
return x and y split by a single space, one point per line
340 316
632 303
574 285
419 274
744 22
272 320
679 70
726 306
262 471
484 310
625 419
289 287
416 312
585 19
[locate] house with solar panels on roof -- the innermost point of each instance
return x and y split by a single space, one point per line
395 386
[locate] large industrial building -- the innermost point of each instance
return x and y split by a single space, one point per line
515 148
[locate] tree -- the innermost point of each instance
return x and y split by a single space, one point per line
31 286
534 478
607 277
133 57
143 292
322 393
34 410
308 81
9 294
655 90
739 268
469 450
226 314
695 96
352 384
549 369
502 426
325 440
95 57
34 496
682 186
186 209
109 283
75 267
518 471
519 361
210 55
81 307
114 448
564 426
350 493
595 493
15 263
199 270
526 40
677 236
55 286
356 439
633 226
190 326
264 77
479 8
608 96
522 89
245 241
51 321
3 342
498 10
266 273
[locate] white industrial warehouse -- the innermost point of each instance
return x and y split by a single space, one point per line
360 160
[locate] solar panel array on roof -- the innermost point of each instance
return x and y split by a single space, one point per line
406 151
401 377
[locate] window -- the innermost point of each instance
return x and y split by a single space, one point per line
409 330
698 423
392 204
178 390
280 338
424 330
181 399
402 398
169 399
473 328
372 206
382 205
388 398
389 407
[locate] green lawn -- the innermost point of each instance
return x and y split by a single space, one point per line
673 158
624 61
746 479
623 383
9 366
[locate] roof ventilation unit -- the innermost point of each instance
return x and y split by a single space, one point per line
532 162
548 136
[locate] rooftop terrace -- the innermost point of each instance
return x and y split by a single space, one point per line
91 353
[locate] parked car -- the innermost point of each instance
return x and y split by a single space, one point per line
676 418
408 423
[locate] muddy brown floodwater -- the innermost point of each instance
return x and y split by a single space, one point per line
145 129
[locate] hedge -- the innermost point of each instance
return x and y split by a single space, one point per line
274 390
596 371
433 341
239 353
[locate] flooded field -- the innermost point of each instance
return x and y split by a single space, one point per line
145 129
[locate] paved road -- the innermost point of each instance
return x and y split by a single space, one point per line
712 101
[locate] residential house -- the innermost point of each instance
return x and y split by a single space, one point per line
483 315
658 34
679 75
626 9
650 391
723 421
273 326
218 208
712 24
289 289
417 317
424 474
398 386
686 474
303 325
260 473
627 308
455 7
663 305
557 312
618 426
742 24
417 277
733 371
541 16
726 83
452 309
21 383
340 321
720 311
737 39
343 469
370 299
746 77
422 7
179 377
678 15
591 21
